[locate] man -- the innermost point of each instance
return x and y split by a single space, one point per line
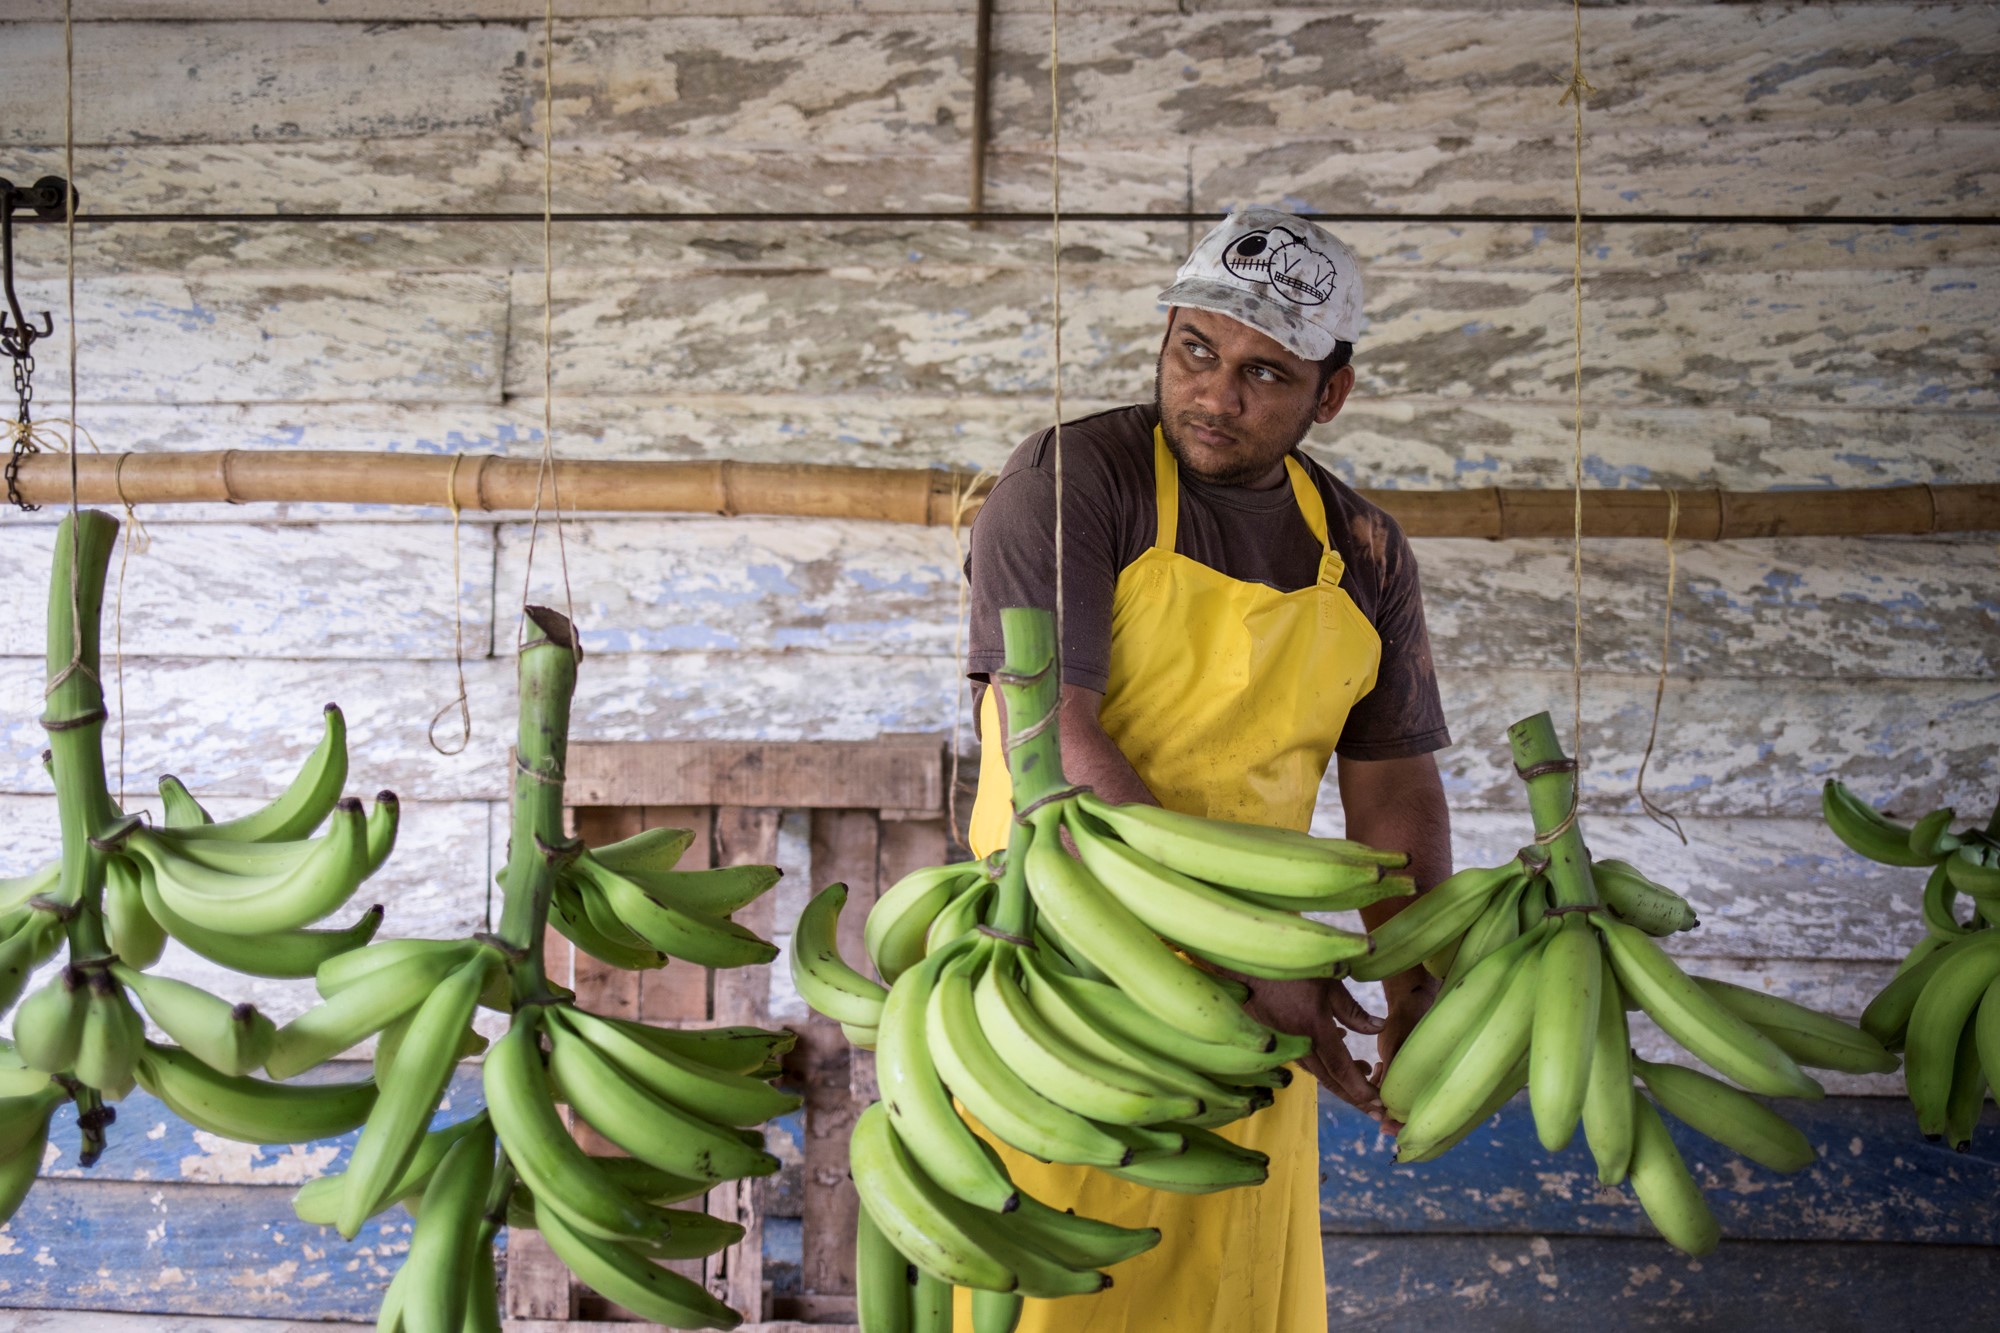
1234 617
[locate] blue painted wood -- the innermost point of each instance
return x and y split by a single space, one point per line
1876 1180
191 1249
149 1142
1542 1284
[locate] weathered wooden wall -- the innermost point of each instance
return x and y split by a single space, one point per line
1841 336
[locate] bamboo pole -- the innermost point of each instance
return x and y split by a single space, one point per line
492 483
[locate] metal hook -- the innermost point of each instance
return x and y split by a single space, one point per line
48 198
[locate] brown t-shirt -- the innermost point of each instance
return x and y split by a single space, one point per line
1110 520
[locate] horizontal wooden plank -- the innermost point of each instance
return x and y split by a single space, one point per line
430 336
1728 747
1764 888
171 712
1445 1284
282 81
98 1321
1732 747
1377 441
1876 1180
812 774
1936 171
190 1249
1686 339
351 591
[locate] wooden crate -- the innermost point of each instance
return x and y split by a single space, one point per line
877 811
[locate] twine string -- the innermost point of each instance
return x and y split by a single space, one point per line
462 703
1659 814
545 474
76 663
1574 92
1055 280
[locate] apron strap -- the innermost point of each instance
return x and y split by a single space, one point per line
1167 494
1313 510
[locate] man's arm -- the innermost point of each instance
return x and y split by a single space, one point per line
1398 804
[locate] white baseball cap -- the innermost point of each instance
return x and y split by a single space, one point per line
1278 273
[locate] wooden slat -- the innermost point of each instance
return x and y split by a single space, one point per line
1564 1284
821 774
743 836
1876 1180
845 848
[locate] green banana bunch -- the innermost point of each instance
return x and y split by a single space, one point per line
1541 959
1935 1009
657 914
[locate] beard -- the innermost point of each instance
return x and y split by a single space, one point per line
1252 465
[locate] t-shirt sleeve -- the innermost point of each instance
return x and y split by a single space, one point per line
1403 715
1012 561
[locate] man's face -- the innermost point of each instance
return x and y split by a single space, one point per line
1232 402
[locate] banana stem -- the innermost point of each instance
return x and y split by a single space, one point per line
1032 738
74 715
1551 781
547 680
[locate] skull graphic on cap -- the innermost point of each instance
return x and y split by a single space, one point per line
1287 262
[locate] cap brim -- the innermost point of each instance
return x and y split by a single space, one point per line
1279 322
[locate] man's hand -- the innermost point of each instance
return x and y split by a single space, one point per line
1324 1012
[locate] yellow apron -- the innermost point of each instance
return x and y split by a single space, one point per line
1228 698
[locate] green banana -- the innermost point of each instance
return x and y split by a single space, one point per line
1866 830
999 1096
301 808
248 1109
578 918
1734 1119
716 892
1937 1021
26 949
617 1272
1243 856
1986 1034
1067 1076
1210 1163
1607 1103
1815 1040
1887 1017
709 941
1930 837
318 1200
1452 1021
1437 917
1968 1092
363 1009
1104 930
1121 1017
1666 1189
1939 895
728 1050
16 890
133 933
698 1089
959 917
996 1311
1972 875
423 1066
562 1177
655 851
1695 1019
881 1279
925 1121
48 1027
233 1038
1503 1092
288 892
1653 908
25 1123
930 1304
443 1247
1479 1065
917 1217
1568 989
902 916
644 1125
1498 925
1207 921
178 807
284 953
823 978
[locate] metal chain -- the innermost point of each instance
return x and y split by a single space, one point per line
24 390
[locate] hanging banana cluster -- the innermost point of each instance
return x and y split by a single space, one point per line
683 1103
240 892
1043 994
1942 1010
1541 958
